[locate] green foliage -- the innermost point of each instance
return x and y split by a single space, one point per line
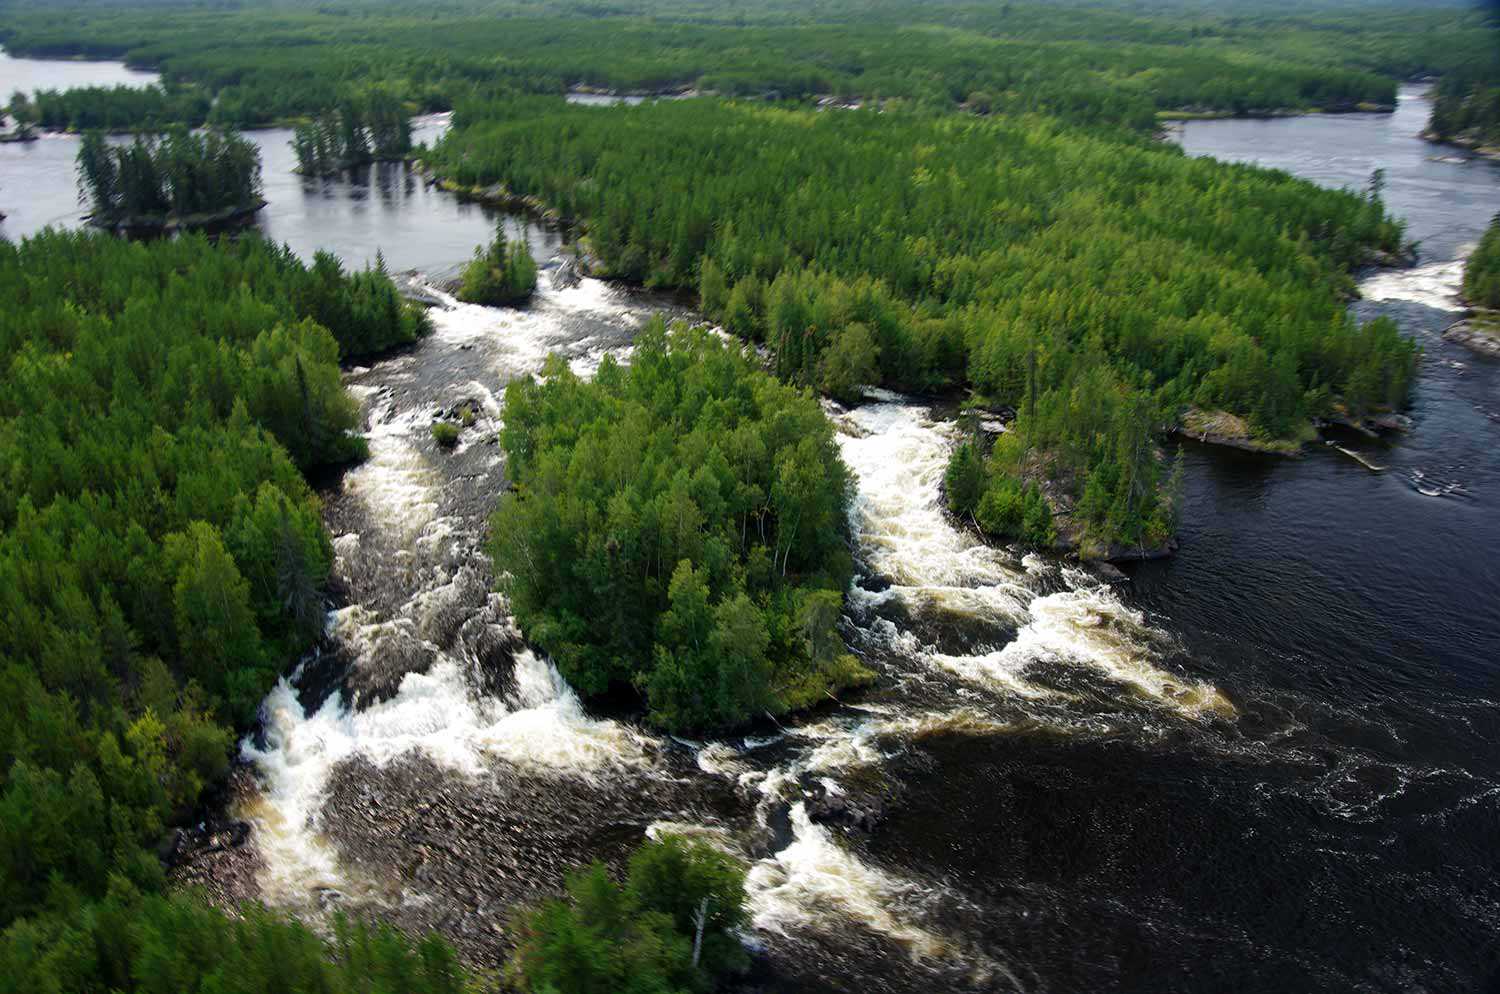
120 108
504 273
964 479
606 938
851 360
1065 272
1095 63
161 555
145 944
1481 286
373 129
445 434
1009 509
181 175
985 492
678 524
1466 104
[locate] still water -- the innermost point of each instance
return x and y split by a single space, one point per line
1270 764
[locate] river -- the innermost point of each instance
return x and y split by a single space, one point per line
1269 764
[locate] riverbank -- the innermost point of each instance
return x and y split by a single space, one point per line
1202 114
1479 332
1472 145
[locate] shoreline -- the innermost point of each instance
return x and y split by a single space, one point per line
172 222
1473 146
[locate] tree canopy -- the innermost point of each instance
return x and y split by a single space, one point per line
162 559
1098 284
181 176
501 273
678 525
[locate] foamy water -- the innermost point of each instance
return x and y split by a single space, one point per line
815 876
1434 285
898 455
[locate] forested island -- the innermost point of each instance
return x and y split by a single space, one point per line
501 274
986 218
180 179
374 129
678 525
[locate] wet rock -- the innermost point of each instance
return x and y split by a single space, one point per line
474 848
874 584
213 856
1478 334
860 811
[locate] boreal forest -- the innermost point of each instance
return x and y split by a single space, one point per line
972 203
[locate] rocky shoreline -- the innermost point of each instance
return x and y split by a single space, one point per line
171 223
1471 144
1480 333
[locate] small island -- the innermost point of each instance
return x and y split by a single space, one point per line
678 527
502 274
352 135
169 182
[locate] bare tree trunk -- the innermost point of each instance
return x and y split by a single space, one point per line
700 919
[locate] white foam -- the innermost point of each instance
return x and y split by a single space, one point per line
1434 285
396 485
543 726
899 455
814 877
1090 625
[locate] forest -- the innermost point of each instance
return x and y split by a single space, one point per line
1097 285
117 108
1101 64
989 217
1466 109
678 526
162 560
179 178
1481 286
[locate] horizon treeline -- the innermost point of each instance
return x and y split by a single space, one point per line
1106 65
1098 285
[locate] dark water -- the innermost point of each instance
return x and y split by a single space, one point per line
1270 764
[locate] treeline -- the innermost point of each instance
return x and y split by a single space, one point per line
934 252
119 108
373 129
1086 63
1481 286
179 177
162 559
678 526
